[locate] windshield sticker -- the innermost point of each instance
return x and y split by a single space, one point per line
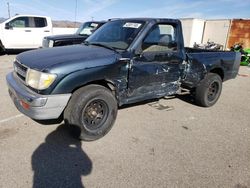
94 25
132 25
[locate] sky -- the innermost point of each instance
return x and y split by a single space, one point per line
104 9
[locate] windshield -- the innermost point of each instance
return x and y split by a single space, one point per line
87 28
118 34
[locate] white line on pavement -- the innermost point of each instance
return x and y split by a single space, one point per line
11 118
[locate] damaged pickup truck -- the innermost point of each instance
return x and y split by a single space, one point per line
125 61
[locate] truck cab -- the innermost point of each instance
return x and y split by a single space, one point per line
24 31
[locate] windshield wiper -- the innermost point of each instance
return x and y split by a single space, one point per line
102 45
85 35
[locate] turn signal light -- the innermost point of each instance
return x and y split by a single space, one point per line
24 105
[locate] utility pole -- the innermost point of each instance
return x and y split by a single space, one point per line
75 12
8 4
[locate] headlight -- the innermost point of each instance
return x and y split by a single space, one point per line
51 43
39 80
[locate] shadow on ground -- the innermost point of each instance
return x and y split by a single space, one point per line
60 160
187 98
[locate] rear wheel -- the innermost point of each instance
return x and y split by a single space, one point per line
208 91
93 109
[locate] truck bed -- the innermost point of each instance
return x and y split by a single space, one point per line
197 50
225 63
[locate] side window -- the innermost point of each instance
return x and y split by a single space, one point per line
89 29
161 38
40 22
20 22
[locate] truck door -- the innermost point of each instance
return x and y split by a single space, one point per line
17 33
41 27
156 71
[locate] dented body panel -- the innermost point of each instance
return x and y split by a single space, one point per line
152 77
200 62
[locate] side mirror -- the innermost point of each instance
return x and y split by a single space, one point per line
138 53
8 26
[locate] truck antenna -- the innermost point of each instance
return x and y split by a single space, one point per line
8 4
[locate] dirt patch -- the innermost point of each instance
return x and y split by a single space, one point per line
6 133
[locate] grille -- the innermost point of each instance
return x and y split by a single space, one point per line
20 70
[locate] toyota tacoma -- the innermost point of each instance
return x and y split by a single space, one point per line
125 61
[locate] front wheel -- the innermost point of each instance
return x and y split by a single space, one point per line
93 109
1 48
208 91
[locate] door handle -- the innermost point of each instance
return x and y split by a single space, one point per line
27 30
46 31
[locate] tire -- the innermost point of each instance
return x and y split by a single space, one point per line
93 109
2 49
208 91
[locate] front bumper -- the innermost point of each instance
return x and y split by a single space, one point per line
34 105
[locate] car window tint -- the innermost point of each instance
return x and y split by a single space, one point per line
40 22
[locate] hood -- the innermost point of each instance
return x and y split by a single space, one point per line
68 58
68 36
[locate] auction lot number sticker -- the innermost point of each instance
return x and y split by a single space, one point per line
132 25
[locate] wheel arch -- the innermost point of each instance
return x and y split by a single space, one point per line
218 71
2 48
110 85
105 83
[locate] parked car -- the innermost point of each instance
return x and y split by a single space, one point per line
24 32
125 61
83 32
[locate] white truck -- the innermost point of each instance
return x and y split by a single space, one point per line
24 32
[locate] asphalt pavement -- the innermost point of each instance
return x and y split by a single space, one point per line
165 143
